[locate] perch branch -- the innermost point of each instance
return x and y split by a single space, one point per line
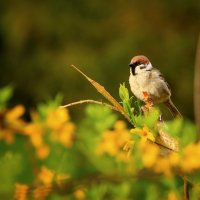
104 92
90 101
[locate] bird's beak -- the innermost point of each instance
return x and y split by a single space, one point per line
131 65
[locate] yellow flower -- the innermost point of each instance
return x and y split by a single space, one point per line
33 129
120 125
13 123
191 158
42 191
113 142
7 135
129 145
79 194
15 113
108 144
145 133
21 191
150 153
45 175
172 196
66 134
163 166
152 159
56 118
42 151
62 128
36 140
174 159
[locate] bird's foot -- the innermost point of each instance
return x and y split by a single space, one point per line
148 102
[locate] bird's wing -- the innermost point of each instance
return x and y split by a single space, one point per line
161 77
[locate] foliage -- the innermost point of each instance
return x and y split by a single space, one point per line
5 95
96 158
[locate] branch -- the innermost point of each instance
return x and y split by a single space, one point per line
90 101
104 92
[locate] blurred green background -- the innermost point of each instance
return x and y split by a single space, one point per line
40 39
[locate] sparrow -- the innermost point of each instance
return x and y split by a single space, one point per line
149 85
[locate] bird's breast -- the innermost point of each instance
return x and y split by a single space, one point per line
138 85
150 83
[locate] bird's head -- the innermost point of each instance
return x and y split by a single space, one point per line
140 64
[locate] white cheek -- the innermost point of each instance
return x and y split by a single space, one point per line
149 66
137 69
131 71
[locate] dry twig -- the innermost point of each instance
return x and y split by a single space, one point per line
104 92
89 101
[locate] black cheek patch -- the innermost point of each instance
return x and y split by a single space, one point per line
133 66
133 70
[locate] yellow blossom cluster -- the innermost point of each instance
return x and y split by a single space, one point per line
113 141
63 129
57 127
11 122
144 133
35 131
45 175
79 194
21 191
185 161
172 196
153 159
190 159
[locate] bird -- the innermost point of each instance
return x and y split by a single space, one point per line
149 85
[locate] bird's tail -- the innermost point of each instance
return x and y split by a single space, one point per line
175 112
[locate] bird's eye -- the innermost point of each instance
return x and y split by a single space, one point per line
142 67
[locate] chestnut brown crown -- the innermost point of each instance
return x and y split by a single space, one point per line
139 59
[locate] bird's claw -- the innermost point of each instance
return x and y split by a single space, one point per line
148 102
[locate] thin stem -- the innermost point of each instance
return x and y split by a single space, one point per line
89 101
185 188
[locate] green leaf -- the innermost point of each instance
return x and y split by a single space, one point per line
151 118
44 108
102 118
5 94
127 102
188 133
194 177
174 127
139 121
152 192
123 92
135 137
137 106
10 168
